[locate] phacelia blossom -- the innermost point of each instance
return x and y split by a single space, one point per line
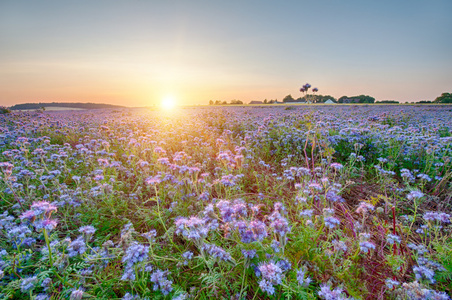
302 279
134 254
437 216
161 282
271 272
76 247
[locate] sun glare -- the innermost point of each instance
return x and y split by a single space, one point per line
168 103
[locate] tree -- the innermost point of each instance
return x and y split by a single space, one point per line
444 98
288 98
360 99
366 99
4 110
211 102
341 99
265 101
236 102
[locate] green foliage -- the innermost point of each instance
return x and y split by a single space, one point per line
444 98
388 102
356 99
316 98
4 110
444 254
288 98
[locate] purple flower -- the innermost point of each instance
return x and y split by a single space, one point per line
276 246
364 207
337 166
423 272
161 282
366 246
249 254
28 283
150 235
393 239
331 222
28 215
155 180
259 229
328 294
188 255
267 286
339 245
77 294
280 225
47 224
42 297
438 216
192 228
216 252
302 279
77 247
129 296
284 264
414 195
45 207
391 283
87 231
134 254
251 232
129 274
271 272
230 211
333 196
307 213
181 297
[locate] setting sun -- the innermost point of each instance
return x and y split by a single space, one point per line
168 103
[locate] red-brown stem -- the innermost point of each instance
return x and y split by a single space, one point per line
305 154
394 229
312 153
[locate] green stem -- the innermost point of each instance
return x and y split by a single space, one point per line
46 237
243 278
161 220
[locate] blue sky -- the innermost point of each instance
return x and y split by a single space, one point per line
137 52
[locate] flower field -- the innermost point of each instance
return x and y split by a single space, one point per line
274 202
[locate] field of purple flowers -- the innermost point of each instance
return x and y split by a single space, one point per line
275 202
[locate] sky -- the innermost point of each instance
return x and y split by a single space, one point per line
136 53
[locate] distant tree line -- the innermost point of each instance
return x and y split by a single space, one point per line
309 98
63 104
388 102
219 102
313 98
356 99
